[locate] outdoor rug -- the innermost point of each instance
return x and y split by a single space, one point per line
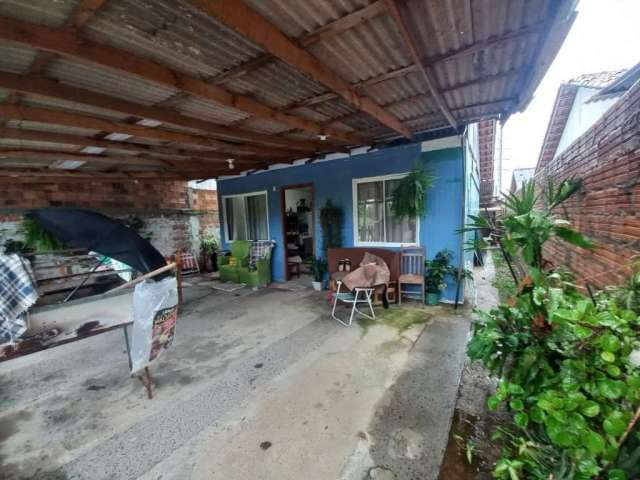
224 286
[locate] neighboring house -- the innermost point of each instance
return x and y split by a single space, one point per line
488 132
579 104
361 185
519 176
594 135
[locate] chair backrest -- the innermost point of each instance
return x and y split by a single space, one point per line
240 248
412 260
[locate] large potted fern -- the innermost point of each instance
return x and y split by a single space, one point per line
410 195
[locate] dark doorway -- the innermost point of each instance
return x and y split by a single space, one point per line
298 229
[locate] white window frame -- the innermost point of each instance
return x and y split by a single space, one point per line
354 192
248 194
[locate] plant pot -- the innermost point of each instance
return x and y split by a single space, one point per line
317 286
432 298
214 261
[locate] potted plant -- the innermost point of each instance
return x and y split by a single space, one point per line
209 245
435 272
318 269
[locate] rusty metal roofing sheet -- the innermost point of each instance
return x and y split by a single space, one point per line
108 81
16 59
52 13
366 51
296 18
264 126
172 33
210 111
276 84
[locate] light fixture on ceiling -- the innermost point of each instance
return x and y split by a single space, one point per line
118 137
147 122
322 137
67 164
230 163
93 150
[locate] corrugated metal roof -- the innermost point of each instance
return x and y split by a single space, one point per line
16 59
108 81
276 84
474 85
172 33
52 13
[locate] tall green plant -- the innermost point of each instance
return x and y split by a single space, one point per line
410 195
331 223
568 367
529 221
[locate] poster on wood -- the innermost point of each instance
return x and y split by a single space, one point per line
155 313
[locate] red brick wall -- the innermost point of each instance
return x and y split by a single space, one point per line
171 211
607 158
97 195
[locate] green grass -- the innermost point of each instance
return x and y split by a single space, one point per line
503 281
401 318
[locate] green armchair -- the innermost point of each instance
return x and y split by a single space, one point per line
240 250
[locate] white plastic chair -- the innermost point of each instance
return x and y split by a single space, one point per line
353 298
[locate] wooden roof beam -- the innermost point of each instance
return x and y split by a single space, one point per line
21 134
85 10
423 69
237 16
57 176
51 156
70 45
44 115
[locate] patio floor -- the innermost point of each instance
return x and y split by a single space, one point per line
259 384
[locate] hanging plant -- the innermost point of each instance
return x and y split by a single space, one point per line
331 223
410 196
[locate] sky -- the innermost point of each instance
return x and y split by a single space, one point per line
605 36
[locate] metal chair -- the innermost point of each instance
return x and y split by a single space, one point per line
353 298
411 271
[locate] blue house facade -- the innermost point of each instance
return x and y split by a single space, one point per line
454 195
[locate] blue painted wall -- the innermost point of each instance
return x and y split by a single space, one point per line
333 179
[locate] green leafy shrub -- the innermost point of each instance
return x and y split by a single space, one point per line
568 367
38 239
436 270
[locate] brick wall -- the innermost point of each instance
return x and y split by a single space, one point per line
174 215
607 158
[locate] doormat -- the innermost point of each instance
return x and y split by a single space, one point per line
226 286
289 287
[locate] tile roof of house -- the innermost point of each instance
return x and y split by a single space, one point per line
596 80
521 175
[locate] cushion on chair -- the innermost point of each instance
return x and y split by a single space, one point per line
410 278
259 249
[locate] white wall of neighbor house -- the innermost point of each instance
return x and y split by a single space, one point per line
583 115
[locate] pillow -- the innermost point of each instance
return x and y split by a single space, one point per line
233 261
259 250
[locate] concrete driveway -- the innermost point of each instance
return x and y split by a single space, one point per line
257 385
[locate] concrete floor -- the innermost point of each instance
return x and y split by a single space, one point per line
258 384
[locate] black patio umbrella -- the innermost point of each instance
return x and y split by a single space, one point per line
95 232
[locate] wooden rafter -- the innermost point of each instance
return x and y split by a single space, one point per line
423 69
344 23
52 156
47 176
45 115
329 30
84 11
20 134
237 16
70 45
36 85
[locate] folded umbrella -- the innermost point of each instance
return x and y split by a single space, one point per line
98 233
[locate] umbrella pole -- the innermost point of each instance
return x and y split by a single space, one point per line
85 280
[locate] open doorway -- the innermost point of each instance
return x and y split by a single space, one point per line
298 229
